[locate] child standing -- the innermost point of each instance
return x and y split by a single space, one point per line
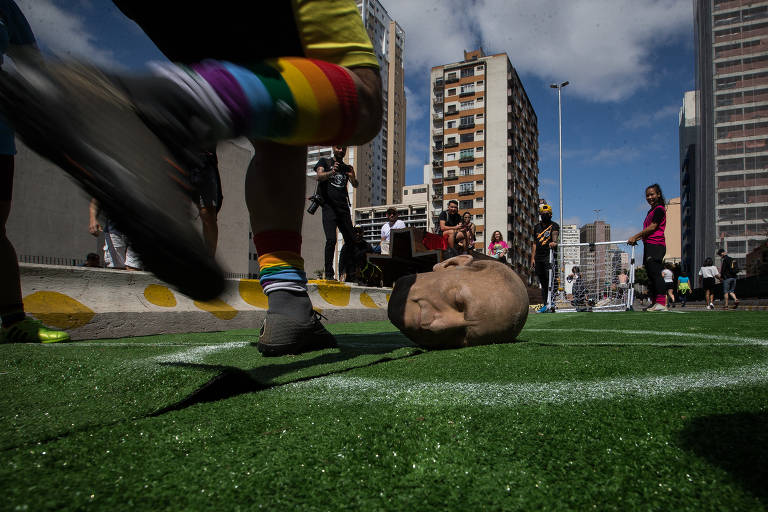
654 246
683 288
709 273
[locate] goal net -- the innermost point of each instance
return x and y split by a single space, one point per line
592 277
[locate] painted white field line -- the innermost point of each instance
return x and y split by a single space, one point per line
336 389
77 344
739 339
197 354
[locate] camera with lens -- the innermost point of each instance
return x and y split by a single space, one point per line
315 202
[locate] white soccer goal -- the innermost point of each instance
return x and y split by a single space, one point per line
605 281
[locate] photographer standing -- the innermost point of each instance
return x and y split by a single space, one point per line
332 176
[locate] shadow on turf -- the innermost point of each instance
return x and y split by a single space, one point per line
232 381
738 443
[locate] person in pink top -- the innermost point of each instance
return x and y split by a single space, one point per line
654 246
498 248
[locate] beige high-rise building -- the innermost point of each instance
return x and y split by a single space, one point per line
379 164
484 138
672 232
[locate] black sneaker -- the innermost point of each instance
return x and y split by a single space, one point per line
282 335
76 117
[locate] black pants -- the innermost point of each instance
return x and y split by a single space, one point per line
542 272
653 258
335 217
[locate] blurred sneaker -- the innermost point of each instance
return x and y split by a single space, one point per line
542 309
282 335
30 330
735 303
711 306
82 121
657 307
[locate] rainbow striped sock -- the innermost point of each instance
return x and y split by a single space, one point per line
290 100
281 266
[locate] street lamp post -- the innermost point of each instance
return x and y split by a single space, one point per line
560 145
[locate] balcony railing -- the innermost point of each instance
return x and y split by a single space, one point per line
466 126
451 80
466 158
437 163
464 94
451 145
437 116
451 178
451 111
466 192
437 132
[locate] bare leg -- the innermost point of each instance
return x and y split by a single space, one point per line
210 228
10 285
274 187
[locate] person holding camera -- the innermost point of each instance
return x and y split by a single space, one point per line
332 176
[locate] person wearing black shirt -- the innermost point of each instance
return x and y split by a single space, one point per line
449 223
353 258
545 236
729 270
332 176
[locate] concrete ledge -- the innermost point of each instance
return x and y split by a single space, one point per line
99 303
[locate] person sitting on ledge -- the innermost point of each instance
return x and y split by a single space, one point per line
463 302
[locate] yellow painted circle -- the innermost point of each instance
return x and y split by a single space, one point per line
252 293
367 301
160 295
58 310
217 308
335 294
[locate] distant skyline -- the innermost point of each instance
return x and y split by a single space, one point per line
628 63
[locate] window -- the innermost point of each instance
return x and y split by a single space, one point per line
479 149
405 192
466 171
466 205
467 72
466 188
452 173
479 182
466 155
451 92
467 137
466 105
467 120
450 156
451 124
450 190
479 133
467 89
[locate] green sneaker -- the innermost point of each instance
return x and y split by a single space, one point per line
30 330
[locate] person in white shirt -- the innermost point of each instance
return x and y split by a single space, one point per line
392 223
669 283
708 273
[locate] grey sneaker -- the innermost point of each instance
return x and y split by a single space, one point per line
79 119
657 307
282 335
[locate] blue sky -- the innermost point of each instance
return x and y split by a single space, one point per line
629 63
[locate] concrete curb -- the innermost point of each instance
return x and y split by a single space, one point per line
94 303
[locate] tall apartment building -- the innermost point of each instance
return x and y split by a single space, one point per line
380 163
732 151
691 208
591 268
484 147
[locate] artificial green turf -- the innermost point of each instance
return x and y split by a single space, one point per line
454 443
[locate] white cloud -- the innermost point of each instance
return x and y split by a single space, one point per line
646 119
603 47
415 107
622 154
64 33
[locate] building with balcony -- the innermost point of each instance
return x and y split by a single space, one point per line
380 163
484 149
731 158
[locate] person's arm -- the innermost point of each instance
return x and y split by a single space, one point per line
93 223
554 239
383 235
352 177
323 173
533 255
647 231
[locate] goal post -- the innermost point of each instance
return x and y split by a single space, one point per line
597 276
